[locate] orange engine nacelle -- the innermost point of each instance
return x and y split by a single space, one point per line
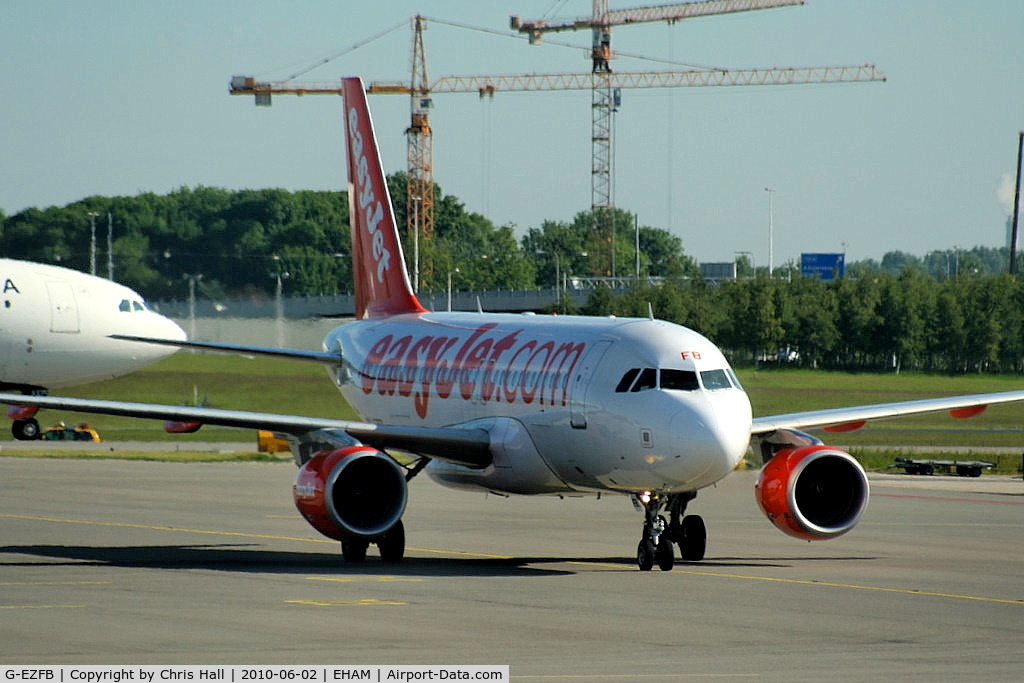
22 412
351 492
813 492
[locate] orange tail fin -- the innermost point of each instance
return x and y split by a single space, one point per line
381 279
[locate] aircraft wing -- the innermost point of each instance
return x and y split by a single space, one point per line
322 357
959 406
462 446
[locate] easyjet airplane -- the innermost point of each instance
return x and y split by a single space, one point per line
55 327
532 405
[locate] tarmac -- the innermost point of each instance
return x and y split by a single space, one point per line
120 562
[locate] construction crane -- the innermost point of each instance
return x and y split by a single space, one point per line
419 137
604 97
602 81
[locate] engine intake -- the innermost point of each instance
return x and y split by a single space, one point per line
355 491
813 492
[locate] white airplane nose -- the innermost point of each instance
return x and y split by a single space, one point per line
174 330
155 326
714 435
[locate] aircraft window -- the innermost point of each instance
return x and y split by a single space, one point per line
682 380
626 380
735 380
648 380
715 379
137 306
125 306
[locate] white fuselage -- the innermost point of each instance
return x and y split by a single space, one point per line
579 404
55 325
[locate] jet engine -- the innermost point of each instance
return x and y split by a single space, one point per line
812 492
349 492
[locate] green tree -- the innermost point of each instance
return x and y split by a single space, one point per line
859 301
814 330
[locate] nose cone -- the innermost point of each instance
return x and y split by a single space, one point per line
154 326
714 434
172 330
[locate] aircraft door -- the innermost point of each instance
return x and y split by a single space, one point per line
580 382
63 307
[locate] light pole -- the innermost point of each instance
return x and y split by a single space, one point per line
92 243
636 236
110 246
192 301
558 269
771 229
450 288
279 299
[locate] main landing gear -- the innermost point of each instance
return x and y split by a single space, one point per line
659 534
25 430
391 545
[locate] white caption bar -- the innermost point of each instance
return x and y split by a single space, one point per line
252 674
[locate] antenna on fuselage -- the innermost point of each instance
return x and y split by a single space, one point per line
650 310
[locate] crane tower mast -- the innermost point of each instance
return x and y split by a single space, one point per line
419 213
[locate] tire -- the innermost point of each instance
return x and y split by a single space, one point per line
392 543
354 549
645 555
25 430
693 538
665 555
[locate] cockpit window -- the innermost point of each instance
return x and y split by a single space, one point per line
627 380
680 380
642 379
648 380
132 305
715 379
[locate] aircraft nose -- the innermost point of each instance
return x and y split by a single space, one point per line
715 434
173 330
155 326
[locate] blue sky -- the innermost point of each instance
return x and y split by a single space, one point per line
117 98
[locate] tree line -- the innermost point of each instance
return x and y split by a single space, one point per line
949 311
875 321
242 242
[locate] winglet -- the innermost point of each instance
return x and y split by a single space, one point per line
381 280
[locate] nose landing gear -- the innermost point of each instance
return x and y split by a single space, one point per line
659 534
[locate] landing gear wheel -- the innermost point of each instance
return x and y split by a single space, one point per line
392 543
354 549
665 554
645 555
25 430
692 539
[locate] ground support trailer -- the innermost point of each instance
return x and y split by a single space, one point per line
963 468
